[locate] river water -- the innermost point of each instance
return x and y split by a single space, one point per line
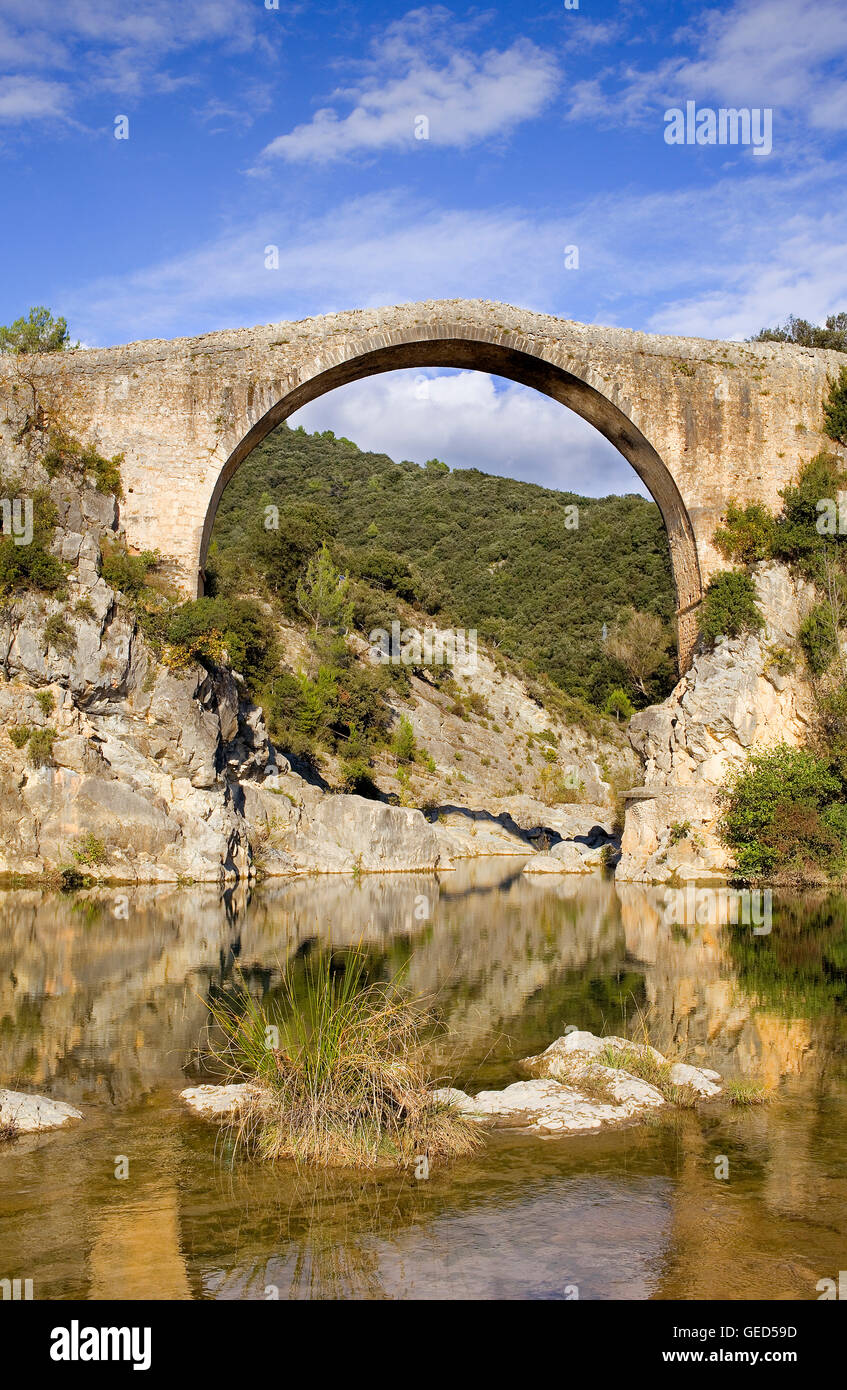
103 1003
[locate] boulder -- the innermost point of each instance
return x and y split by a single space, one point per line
350 832
32 1114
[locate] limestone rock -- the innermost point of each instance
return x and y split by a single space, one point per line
730 703
704 1082
31 1114
369 835
209 1100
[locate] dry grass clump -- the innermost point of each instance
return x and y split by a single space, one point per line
743 1092
641 1064
337 1073
591 1080
8 1129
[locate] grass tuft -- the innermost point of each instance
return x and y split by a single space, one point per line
337 1074
8 1129
742 1092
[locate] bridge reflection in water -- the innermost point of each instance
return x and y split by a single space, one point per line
103 1004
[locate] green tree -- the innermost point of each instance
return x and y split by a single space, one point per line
403 743
747 534
835 409
323 594
618 705
38 332
833 334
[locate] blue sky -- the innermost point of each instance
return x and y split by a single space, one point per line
252 126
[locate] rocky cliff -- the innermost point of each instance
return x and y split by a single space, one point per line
116 766
732 701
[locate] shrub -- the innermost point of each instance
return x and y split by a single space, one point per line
558 787
201 629
835 409
780 816
46 701
124 572
337 1073
403 744
797 539
747 534
58 633
680 830
41 742
89 850
67 455
357 777
729 607
819 637
19 734
33 566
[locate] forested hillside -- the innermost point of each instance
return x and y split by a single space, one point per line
472 549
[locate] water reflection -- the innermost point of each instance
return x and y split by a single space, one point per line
104 1005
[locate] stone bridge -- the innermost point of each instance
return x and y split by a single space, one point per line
701 422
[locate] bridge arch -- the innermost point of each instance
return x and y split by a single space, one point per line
502 354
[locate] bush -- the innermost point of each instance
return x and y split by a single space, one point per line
41 746
782 815
357 777
19 734
797 539
58 633
124 572
67 455
89 850
729 607
32 566
819 638
403 744
747 534
835 409
201 629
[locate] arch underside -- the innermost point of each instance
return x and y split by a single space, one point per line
527 370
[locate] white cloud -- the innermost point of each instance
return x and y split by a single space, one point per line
464 419
717 262
419 70
384 249
785 54
29 98
123 47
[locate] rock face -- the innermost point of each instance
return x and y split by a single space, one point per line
733 701
32 1114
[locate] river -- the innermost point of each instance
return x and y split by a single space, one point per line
103 1003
